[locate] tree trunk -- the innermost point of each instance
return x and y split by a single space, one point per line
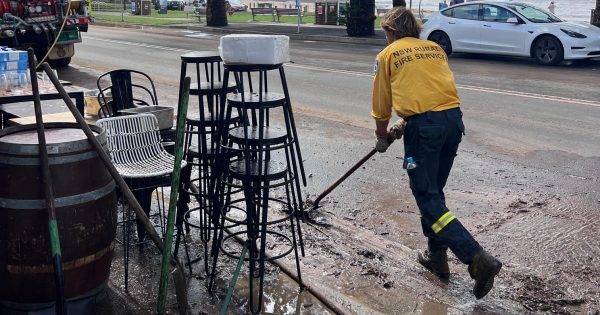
361 18
595 20
216 15
399 3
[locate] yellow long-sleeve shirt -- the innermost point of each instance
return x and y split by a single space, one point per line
412 77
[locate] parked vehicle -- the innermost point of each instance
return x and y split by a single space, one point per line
199 3
31 23
236 5
175 5
199 7
511 28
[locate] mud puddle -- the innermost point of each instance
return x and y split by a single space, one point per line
282 295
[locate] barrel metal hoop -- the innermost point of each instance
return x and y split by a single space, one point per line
68 265
57 160
25 307
33 204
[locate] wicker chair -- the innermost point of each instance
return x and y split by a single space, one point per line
134 145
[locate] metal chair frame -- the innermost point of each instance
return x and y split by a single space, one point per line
200 147
257 172
122 87
135 147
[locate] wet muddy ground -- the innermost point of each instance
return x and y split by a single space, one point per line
536 211
537 217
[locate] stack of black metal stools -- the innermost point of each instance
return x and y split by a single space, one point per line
200 148
268 173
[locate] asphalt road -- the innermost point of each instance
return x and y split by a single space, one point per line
525 182
524 106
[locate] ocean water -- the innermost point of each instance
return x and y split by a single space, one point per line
571 10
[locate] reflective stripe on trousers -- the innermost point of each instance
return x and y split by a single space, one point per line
442 222
432 139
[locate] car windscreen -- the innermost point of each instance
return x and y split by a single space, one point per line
534 14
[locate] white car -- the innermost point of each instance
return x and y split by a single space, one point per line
511 28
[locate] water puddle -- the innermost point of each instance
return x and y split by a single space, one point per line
281 296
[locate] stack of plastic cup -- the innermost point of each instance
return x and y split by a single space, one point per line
14 74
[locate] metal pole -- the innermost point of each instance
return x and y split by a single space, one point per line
325 11
392 136
299 7
234 279
343 177
338 13
59 277
175 183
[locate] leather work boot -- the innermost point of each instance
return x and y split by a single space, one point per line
483 269
436 262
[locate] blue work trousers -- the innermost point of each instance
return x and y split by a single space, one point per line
432 139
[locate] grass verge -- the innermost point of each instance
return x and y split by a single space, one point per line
183 17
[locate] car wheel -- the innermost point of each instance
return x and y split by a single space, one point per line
548 50
443 40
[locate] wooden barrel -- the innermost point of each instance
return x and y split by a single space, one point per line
85 203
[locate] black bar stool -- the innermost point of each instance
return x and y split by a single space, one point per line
270 167
200 146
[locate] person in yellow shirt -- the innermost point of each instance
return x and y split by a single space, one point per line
413 79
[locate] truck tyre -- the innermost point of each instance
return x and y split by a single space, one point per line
61 63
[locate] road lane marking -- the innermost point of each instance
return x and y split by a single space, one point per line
468 87
355 73
122 42
365 74
200 35
530 95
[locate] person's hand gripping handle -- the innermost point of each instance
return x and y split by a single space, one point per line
394 133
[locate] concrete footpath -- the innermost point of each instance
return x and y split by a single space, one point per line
313 32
